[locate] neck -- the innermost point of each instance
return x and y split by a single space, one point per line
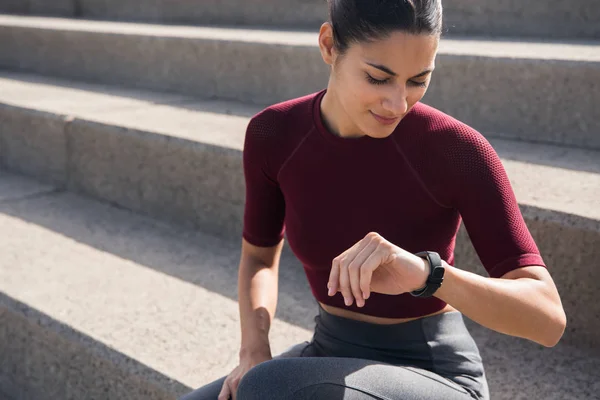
330 114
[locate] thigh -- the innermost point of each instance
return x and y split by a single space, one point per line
344 377
302 349
211 390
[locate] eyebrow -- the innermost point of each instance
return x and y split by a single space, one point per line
389 71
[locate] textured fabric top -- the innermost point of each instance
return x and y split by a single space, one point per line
325 193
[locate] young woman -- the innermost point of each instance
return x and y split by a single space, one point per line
371 186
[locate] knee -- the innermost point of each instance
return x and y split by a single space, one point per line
263 380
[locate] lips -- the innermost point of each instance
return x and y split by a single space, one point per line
384 120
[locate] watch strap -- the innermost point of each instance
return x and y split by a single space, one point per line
436 274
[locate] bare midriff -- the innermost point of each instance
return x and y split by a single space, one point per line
340 312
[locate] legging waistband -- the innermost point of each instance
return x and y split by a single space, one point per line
389 336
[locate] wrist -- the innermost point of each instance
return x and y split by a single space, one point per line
249 352
256 345
435 275
426 270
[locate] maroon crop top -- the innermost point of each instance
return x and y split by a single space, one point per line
326 192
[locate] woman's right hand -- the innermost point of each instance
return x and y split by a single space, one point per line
229 389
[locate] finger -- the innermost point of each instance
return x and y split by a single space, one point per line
381 255
225 392
354 273
345 283
354 277
357 280
233 386
336 269
334 277
366 272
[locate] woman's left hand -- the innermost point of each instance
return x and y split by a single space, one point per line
375 264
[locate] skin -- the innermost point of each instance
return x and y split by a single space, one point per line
523 302
351 99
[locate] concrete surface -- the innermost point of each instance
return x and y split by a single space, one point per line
4 395
119 265
149 155
97 301
65 8
538 91
549 19
553 18
112 301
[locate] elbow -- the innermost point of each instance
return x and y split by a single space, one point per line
556 329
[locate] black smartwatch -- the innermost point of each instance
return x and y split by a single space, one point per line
436 274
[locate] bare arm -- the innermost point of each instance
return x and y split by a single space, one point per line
257 296
523 303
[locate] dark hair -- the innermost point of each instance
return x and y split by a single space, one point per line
368 20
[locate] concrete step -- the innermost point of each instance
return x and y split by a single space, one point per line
515 90
554 18
101 302
98 302
65 8
3 395
179 159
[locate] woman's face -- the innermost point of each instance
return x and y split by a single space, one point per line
383 78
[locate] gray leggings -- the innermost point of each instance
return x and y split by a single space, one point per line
433 357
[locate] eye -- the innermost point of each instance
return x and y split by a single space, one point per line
375 81
381 82
419 84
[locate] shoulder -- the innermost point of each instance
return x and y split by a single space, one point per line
450 154
284 115
275 131
450 138
436 122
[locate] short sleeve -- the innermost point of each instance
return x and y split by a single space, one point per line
264 208
484 197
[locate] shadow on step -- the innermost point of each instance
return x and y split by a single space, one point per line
43 358
530 370
192 256
559 156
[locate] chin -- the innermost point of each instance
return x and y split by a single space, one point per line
383 133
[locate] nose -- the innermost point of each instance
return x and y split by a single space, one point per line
396 103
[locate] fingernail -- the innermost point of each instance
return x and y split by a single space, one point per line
329 291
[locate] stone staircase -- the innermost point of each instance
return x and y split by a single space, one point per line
122 193
551 19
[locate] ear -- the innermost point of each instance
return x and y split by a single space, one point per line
326 43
